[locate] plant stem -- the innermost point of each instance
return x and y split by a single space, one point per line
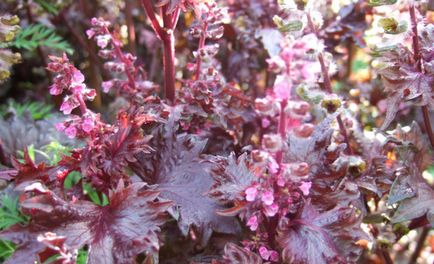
282 130
418 60
165 33
169 65
328 86
419 246
201 46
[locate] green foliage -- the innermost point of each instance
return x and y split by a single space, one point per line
94 196
37 110
97 198
47 6
54 152
7 248
9 213
82 256
38 35
72 179
381 2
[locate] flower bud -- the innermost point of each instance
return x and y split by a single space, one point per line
304 131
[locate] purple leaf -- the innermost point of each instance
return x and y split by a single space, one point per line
115 233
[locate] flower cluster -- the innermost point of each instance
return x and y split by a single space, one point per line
70 80
119 62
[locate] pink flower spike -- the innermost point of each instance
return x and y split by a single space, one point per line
282 87
264 252
305 187
251 194
253 223
267 198
71 132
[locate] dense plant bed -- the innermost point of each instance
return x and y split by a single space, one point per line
203 131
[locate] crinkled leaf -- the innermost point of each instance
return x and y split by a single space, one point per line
234 254
403 81
115 233
184 177
232 178
328 237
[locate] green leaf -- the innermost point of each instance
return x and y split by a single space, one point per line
9 213
50 8
94 195
38 35
7 248
72 179
82 256
381 2
287 26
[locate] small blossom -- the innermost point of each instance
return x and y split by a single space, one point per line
282 87
106 86
272 165
271 210
88 125
60 127
71 132
267 198
251 194
264 253
265 122
274 256
253 223
103 40
55 89
305 187
68 105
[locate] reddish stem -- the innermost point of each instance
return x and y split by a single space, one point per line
282 130
170 19
83 107
149 9
202 40
418 60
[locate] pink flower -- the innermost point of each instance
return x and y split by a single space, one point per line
305 187
68 105
88 125
282 87
265 122
90 33
253 223
274 256
71 132
264 253
267 198
77 76
55 89
272 165
251 194
103 40
106 86
271 210
60 126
